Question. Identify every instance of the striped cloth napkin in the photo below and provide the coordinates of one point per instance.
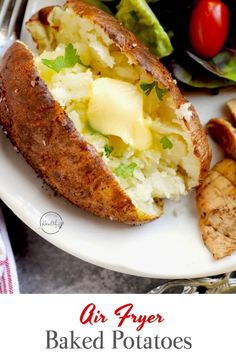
(8, 275)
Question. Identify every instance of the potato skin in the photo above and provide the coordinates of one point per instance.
(41, 130)
(129, 44)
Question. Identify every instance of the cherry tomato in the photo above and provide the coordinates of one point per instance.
(209, 27)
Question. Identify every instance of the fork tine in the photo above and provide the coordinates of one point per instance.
(4, 9)
(14, 17)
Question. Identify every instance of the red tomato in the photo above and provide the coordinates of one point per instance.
(209, 27)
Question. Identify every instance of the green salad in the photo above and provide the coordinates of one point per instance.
(195, 39)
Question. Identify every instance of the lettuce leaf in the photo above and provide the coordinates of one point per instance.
(137, 16)
(199, 80)
(222, 65)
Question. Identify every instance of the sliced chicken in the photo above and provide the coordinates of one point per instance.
(216, 200)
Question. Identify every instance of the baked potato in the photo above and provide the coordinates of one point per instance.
(216, 200)
(98, 117)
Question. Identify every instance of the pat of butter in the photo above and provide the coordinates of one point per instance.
(116, 108)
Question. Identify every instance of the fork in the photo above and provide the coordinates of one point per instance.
(220, 284)
(11, 17)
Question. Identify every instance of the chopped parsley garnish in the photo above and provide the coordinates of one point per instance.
(108, 150)
(166, 143)
(125, 171)
(69, 60)
(147, 88)
(161, 92)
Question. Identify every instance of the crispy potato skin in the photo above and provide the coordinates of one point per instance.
(44, 134)
(129, 44)
(224, 134)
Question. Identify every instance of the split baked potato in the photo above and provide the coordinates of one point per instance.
(98, 117)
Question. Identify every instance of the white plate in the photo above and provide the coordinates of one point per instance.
(167, 248)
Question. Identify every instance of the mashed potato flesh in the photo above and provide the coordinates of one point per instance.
(145, 174)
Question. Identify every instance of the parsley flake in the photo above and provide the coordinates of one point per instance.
(69, 60)
(125, 171)
(161, 92)
(147, 88)
(166, 143)
(108, 150)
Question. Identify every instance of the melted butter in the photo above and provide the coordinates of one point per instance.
(116, 108)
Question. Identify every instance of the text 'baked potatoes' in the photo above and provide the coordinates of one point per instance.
(98, 117)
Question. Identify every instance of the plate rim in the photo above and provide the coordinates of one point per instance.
(112, 266)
